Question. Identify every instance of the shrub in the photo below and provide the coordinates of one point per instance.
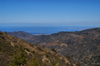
(47, 55)
(39, 48)
(53, 50)
(53, 63)
(68, 57)
(33, 51)
(20, 58)
(27, 49)
(34, 62)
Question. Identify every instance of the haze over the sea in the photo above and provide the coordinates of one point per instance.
(82, 14)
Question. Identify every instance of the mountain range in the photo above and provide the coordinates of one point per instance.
(82, 46)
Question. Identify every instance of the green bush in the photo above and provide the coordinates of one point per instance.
(53, 63)
(34, 62)
(19, 59)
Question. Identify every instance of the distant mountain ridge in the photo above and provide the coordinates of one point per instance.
(22, 35)
(80, 45)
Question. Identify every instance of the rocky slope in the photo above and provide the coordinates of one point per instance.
(17, 51)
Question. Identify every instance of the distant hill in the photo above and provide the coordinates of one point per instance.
(22, 35)
(17, 52)
(83, 46)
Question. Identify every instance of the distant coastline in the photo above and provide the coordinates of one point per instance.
(42, 30)
(40, 34)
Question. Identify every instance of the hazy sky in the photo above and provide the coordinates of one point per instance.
(50, 12)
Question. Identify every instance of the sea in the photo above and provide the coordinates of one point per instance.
(43, 29)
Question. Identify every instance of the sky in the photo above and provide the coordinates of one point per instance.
(50, 12)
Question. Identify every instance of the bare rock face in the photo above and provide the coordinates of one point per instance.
(45, 60)
(12, 44)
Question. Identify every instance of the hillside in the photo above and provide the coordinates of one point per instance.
(83, 46)
(22, 35)
(17, 51)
